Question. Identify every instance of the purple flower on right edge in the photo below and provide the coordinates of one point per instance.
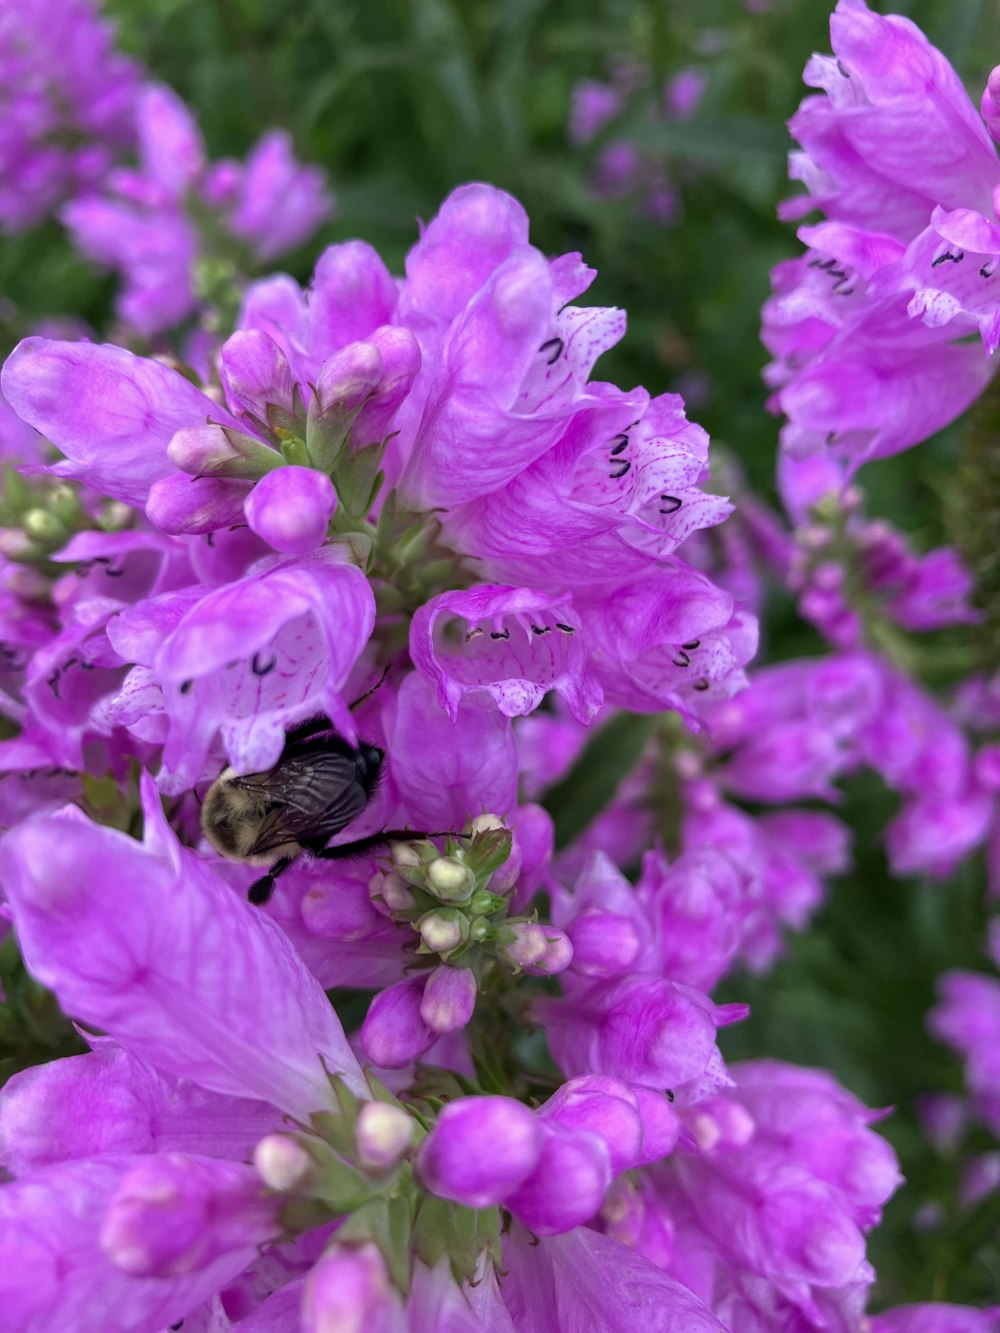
(870, 328)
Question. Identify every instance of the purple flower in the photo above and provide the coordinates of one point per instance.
(785, 1178)
(68, 101)
(249, 658)
(144, 222)
(571, 1280)
(55, 1270)
(967, 1017)
(86, 900)
(870, 328)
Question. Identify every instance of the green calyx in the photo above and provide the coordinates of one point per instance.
(383, 1205)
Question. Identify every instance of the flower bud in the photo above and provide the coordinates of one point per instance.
(393, 1032)
(184, 504)
(383, 1135)
(348, 1291)
(392, 889)
(449, 998)
(282, 1163)
(290, 509)
(450, 880)
(480, 1149)
(175, 1214)
(41, 526)
(557, 956)
(348, 377)
(485, 824)
(255, 373)
(601, 1106)
(567, 1185)
(444, 930)
(528, 945)
(400, 353)
(605, 944)
(404, 854)
(210, 451)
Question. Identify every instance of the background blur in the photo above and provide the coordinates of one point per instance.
(401, 100)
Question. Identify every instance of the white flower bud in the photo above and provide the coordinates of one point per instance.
(281, 1162)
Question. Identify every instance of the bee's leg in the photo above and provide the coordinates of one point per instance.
(261, 889)
(377, 686)
(345, 850)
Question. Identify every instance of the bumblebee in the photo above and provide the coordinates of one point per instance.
(318, 786)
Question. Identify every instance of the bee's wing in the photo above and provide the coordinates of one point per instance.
(312, 798)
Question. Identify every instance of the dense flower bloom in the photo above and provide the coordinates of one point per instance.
(398, 518)
(144, 222)
(67, 102)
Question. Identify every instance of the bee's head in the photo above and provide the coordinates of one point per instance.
(369, 764)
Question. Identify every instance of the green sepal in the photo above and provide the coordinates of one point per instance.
(294, 452)
(327, 433)
(487, 852)
(339, 1185)
(462, 1234)
(388, 1224)
(334, 1129)
(358, 478)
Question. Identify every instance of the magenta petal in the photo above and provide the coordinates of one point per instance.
(169, 141)
(394, 1032)
(229, 1005)
(174, 1214)
(476, 229)
(111, 1101)
(111, 413)
(290, 509)
(449, 771)
(518, 644)
(480, 1150)
(568, 1184)
(352, 294)
(584, 1280)
(255, 373)
(54, 1275)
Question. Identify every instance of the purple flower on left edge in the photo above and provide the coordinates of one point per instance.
(201, 1038)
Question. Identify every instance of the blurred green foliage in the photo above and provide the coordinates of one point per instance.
(401, 100)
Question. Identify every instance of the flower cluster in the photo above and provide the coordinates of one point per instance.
(870, 328)
(180, 230)
(67, 105)
(351, 1025)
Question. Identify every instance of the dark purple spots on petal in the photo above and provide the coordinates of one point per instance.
(564, 629)
(671, 504)
(622, 465)
(500, 634)
(683, 659)
(186, 686)
(260, 668)
(695, 643)
(555, 347)
(701, 686)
